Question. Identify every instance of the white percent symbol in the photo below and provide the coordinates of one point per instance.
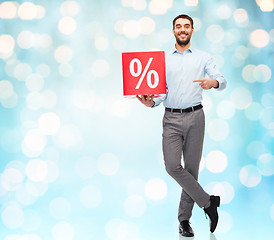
(139, 71)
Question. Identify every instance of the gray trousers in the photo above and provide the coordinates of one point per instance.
(184, 133)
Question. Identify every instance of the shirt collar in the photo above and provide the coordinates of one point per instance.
(190, 49)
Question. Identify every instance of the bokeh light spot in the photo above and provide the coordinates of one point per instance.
(49, 123)
(6, 89)
(215, 33)
(223, 189)
(22, 71)
(147, 25)
(131, 29)
(248, 73)
(265, 164)
(65, 70)
(67, 25)
(34, 140)
(160, 6)
(6, 46)
(43, 70)
(34, 82)
(253, 111)
(68, 136)
(12, 216)
(63, 231)
(216, 161)
(63, 54)
(36, 170)
(11, 179)
(250, 176)
(224, 11)
(241, 97)
(70, 8)
(241, 52)
(225, 110)
(266, 5)
(27, 11)
(262, 73)
(241, 17)
(218, 129)
(34, 100)
(100, 68)
(156, 189)
(8, 10)
(259, 38)
(191, 3)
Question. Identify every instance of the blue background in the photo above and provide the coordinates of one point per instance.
(80, 161)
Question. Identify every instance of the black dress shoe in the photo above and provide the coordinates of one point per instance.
(212, 213)
(185, 229)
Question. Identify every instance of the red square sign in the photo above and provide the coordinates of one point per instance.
(144, 73)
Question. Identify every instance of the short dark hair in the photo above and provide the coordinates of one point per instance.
(184, 16)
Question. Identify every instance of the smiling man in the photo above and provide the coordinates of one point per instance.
(184, 120)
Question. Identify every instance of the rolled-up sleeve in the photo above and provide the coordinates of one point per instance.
(213, 72)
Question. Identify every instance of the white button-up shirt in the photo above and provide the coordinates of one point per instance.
(181, 70)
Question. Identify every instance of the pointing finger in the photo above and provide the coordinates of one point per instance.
(198, 80)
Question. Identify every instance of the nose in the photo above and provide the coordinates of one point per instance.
(183, 30)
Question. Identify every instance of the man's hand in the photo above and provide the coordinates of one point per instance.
(207, 83)
(146, 100)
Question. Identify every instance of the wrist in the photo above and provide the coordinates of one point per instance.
(216, 84)
(151, 104)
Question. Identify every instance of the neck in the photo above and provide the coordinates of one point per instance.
(182, 48)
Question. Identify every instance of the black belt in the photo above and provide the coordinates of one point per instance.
(190, 109)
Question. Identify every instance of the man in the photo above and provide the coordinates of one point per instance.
(184, 121)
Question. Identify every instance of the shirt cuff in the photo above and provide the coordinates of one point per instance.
(222, 84)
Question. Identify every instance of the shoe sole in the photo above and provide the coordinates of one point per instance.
(186, 235)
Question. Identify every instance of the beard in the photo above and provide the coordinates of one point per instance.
(183, 42)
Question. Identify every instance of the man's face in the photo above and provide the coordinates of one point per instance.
(182, 31)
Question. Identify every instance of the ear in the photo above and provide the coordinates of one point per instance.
(173, 31)
(192, 31)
